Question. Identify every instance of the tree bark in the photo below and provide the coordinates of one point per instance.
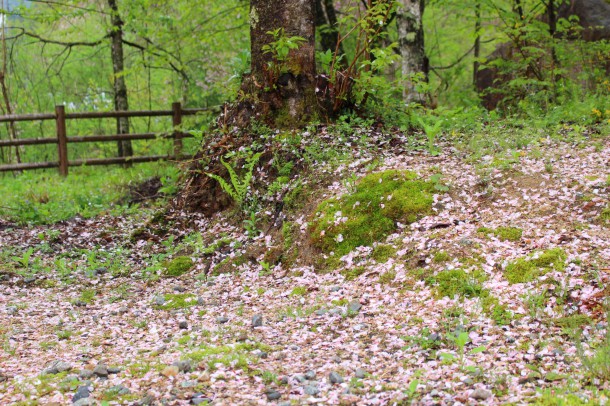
(477, 42)
(120, 87)
(284, 97)
(411, 43)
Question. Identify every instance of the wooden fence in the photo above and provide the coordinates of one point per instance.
(62, 139)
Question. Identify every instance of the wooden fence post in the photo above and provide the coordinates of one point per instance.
(62, 139)
(177, 121)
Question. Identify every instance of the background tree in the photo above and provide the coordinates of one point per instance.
(409, 19)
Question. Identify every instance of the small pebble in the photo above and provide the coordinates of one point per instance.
(334, 377)
(360, 373)
(183, 325)
(222, 319)
(257, 320)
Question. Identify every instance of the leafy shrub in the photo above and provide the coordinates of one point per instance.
(370, 213)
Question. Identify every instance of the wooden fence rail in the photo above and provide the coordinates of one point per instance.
(62, 139)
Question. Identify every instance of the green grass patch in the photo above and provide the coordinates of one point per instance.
(370, 213)
(178, 301)
(604, 216)
(573, 322)
(44, 197)
(177, 266)
(387, 277)
(441, 256)
(353, 273)
(236, 355)
(525, 270)
(503, 233)
(458, 282)
(298, 291)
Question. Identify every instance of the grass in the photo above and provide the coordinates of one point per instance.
(605, 216)
(525, 270)
(44, 197)
(237, 355)
(457, 282)
(573, 322)
(382, 253)
(371, 211)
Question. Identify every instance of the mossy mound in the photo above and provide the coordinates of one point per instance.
(526, 270)
(458, 282)
(177, 266)
(371, 211)
(503, 233)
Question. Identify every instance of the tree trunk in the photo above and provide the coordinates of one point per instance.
(282, 93)
(326, 16)
(411, 42)
(477, 42)
(120, 87)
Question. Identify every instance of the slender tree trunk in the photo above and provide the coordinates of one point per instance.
(411, 42)
(477, 41)
(284, 97)
(120, 87)
(3, 85)
(326, 16)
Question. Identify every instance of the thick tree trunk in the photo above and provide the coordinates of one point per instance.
(282, 93)
(411, 42)
(120, 87)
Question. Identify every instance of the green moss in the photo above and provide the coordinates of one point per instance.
(503, 233)
(457, 282)
(299, 291)
(508, 233)
(370, 213)
(237, 355)
(177, 266)
(572, 322)
(525, 270)
(353, 273)
(387, 277)
(441, 256)
(178, 301)
(499, 313)
(381, 253)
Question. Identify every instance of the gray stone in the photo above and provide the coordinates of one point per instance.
(101, 371)
(201, 400)
(114, 370)
(200, 301)
(183, 325)
(12, 310)
(257, 320)
(183, 366)
(299, 378)
(29, 279)
(84, 402)
(310, 375)
(335, 288)
(123, 310)
(56, 367)
(337, 359)
(334, 377)
(82, 392)
(272, 394)
(159, 300)
(480, 394)
(222, 319)
(354, 306)
(335, 311)
(284, 380)
(510, 340)
(85, 374)
(321, 312)
(311, 390)
(360, 373)
(120, 390)
(179, 288)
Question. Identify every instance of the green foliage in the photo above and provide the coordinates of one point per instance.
(238, 188)
(387, 277)
(605, 216)
(525, 270)
(299, 291)
(280, 49)
(597, 365)
(575, 321)
(371, 212)
(177, 266)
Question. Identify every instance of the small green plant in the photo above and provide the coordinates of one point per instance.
(238, 188)
(431, 130)
(299, 291)
(280, 49)
(383, 252)
(23, 261)
(596, 365)
(460, 339)
(441, 256)
(503, 233)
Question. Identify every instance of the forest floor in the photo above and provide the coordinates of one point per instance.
(525, 242)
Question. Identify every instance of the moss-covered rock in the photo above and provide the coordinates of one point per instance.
(177, 266)
(371, 212)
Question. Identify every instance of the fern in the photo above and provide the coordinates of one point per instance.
(238, 189)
